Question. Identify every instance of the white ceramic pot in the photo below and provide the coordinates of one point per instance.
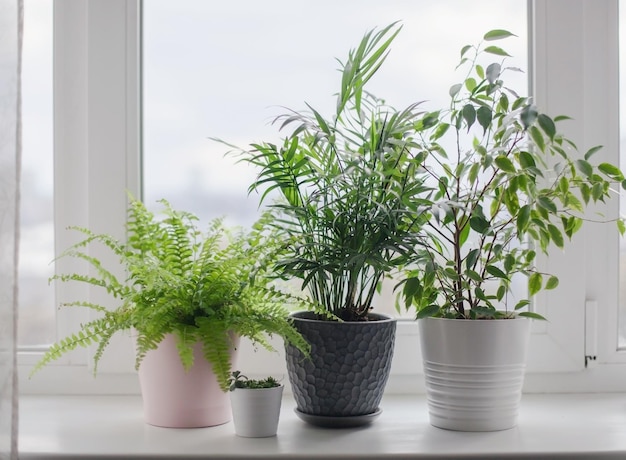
(474, 371)
(175, 398)
(256, 411)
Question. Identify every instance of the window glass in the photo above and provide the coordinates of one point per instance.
(225, 69)
(37, 325)
(622, 105)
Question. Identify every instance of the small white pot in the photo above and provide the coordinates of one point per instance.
(474, 371)
(256, 411)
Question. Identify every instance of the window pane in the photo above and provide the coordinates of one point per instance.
(224, 69)
(37, 324)
(622, 116)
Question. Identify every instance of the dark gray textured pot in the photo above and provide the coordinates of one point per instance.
(348, 368)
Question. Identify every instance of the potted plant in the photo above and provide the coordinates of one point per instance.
(256, 405)
(343, 182)
(188, 297)
(505, 184)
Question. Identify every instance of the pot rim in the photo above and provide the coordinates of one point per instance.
(479, 320)
(258, 389)
(381, 318)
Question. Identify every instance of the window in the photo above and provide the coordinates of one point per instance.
(202, 77)
(37, 312)
(97, 145)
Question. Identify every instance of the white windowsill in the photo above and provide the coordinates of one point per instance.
(572, 426)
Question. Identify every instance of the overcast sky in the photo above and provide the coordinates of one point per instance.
(221, 69)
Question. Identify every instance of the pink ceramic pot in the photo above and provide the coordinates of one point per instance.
(174, 398)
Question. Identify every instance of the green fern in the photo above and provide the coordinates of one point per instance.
(202, 287)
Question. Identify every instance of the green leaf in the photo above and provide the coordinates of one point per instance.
(497, 34)
(584, 167)
(469, 115)
(535, 282)
(528, 115)
(493, 72)
(472, 175)
(454, 89)
(547, 125)
(470, 84)
(465, 49)
(552, 282)
(612, 171)
(471, 258)
(479, 224)
(522, 304)
(504, 102)
(496, 50)
(546, 203)
(480, 71)
(523, 217)
(537, 138)
(495, 271)
(621, 226)
(428, 311)
(505, 164)
(464, 234)
(526, 160)
(532, 315)
(441, 129)
(592, 151)
(484, 117)
(556, 235)
(474, 276)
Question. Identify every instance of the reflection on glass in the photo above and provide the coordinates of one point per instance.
(36, 298)
(225, 69)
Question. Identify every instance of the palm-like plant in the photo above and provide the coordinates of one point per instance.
(346, 186)
(201, 287)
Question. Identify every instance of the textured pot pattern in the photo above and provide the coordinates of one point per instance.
(256, 411)
(349, 365)
(474, 371)
(175, 398)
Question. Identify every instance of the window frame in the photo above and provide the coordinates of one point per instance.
(97, 113)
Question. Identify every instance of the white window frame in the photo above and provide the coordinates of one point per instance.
(97, 159)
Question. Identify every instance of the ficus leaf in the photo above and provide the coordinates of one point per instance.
(592, 151)
(535, 281)
(493, 72)
(427, 311)
(523, 218)
(612, 171)
(537, 137)
(546, 203)
(556, 235)
(469, 115)
(547, 125)
(498, 34)
(505, 164)
(495, 271)
(454, 89)
(484, 117)
(552, 282)
(465, 49)
(479, 224)
(528, 115)
(496, 50)
(532, 315)
(472, 257)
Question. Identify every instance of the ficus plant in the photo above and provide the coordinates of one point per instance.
(201, 286)
(345, 184)
(506, 183)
